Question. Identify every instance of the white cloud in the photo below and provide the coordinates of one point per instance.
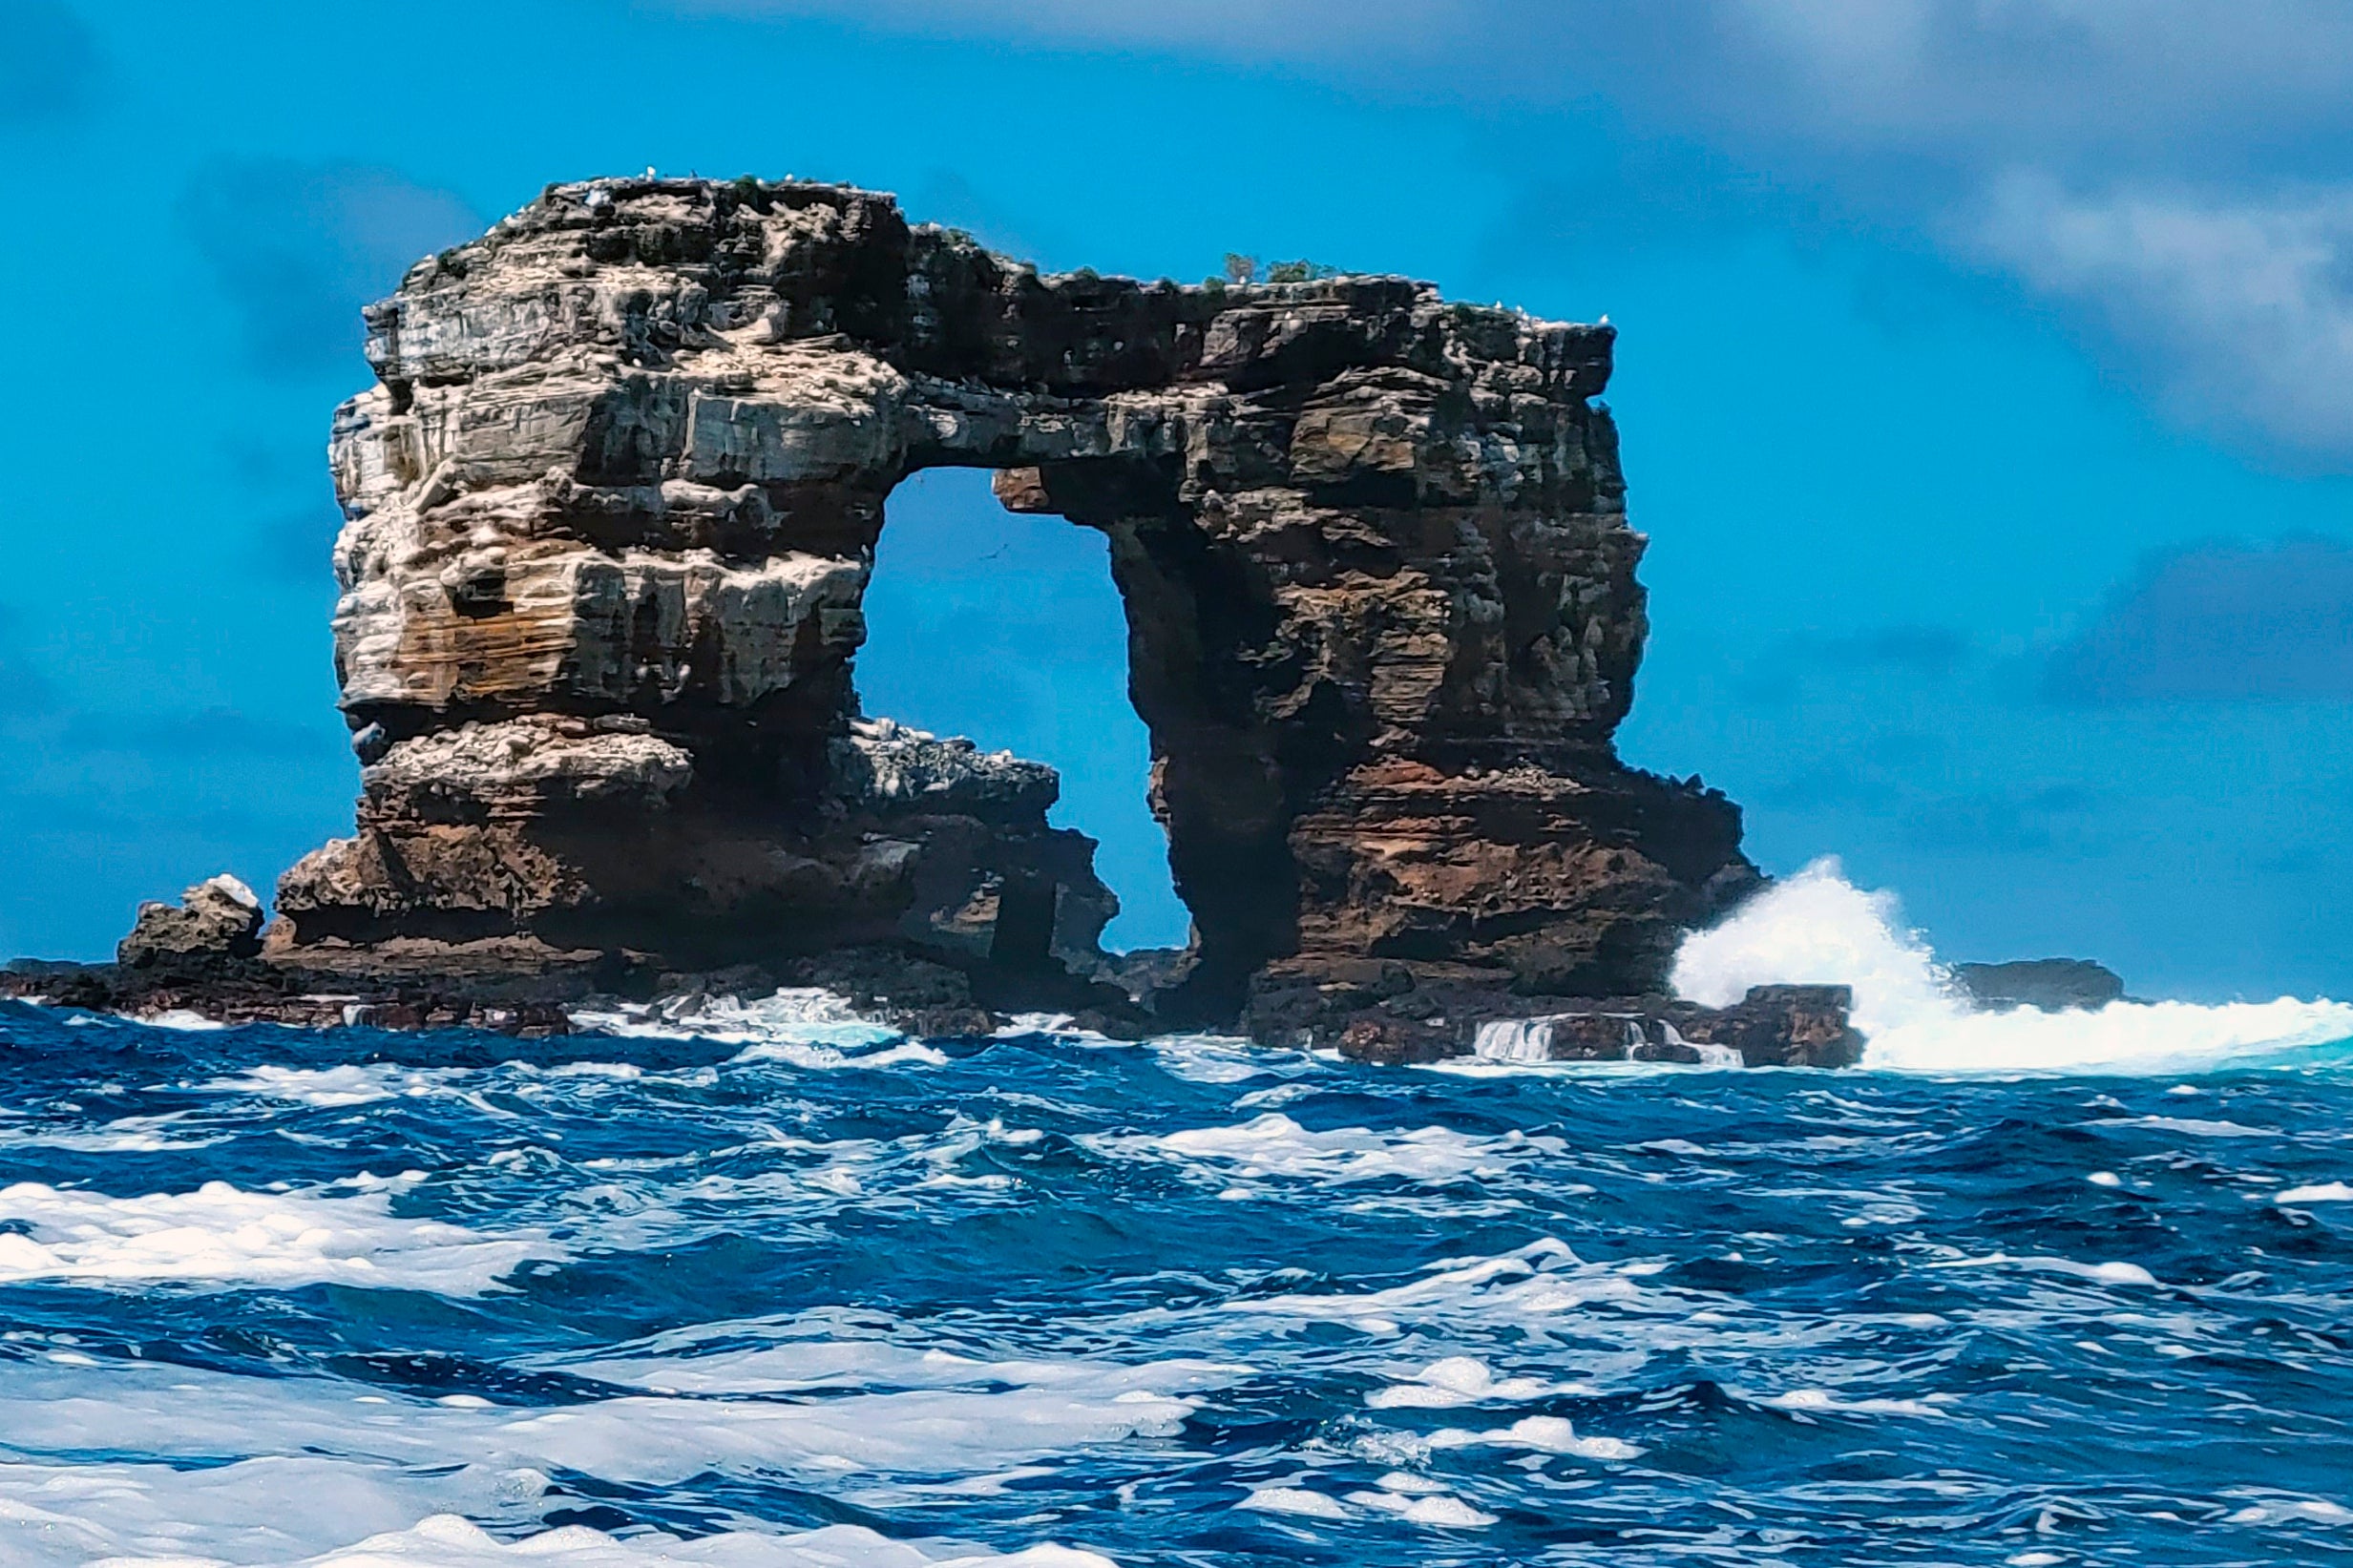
(2051, 80)
(2241, 309)
(2027, 134)
(1944, 77)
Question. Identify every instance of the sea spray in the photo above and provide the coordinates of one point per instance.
(1817, 928)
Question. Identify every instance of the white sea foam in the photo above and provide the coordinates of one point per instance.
(1446, 1511)
(2112, 1272)
(446, 1540)
(1817, 928)
(330, 1087)
(804, 1016)
(1543, 1285)
(1461, 1380)
(125, 1135)
(255, 1510)
(2193, 1126)
(1412, 1498)
(182, 1018)
(827, 1059)
(2293, 1511)
(1274, 1144)
(1825, 1402)
(1295, 1499)
(827, 1361)
(1224, 1059)
(219, 1237)
(182, 1413)
(1061, 1026)
(1541, 1434)
(2327, 1192)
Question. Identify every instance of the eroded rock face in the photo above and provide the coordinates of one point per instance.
(218, 918)
(613, 505)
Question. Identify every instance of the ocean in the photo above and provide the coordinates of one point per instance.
(752, 1282)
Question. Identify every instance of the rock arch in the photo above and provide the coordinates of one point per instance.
(611, 507)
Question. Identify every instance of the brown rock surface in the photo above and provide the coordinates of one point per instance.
(217, 919)
(611, 510)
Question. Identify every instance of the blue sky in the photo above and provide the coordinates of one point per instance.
(1986, 372)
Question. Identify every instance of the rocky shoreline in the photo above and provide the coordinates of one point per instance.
(204, 956)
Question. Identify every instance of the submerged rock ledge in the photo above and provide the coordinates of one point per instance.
(611, 510)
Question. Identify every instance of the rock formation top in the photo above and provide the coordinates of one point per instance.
(611, 508)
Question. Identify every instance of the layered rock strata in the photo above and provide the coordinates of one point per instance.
(613, 505)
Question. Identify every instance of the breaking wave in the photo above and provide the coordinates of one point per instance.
(1817, 928)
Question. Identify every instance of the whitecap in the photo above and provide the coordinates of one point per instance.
(330, 1087)
(1457, 1381)
(183, 1414)
(274, 1509)
(681, 1366)
(2190, 1126)
(793, 1015)
(2100, 1273)
(1825, 1402)
(826, 1059)
(1444, 1511)
(126, 1134)
(1274, 1144)
(1293, 1499)
(182, 1018)
(449, 1541)
(1059, 1026)
(1539, 1434)
(2327, 1192)
(2293, 1509)
(219, 1237)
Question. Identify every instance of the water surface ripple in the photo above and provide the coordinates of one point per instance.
(825, 1299)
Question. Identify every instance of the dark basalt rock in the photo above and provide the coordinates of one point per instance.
(1386, 1016)
(2053, 985)
(609, 518)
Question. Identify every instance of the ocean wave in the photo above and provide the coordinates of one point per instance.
(1001, 1298)
(1817, 928)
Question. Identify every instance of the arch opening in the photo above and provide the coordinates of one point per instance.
(1006, 628)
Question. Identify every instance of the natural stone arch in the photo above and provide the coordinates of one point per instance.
(612, 509)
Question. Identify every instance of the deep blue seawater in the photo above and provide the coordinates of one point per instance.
(800, 1297)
